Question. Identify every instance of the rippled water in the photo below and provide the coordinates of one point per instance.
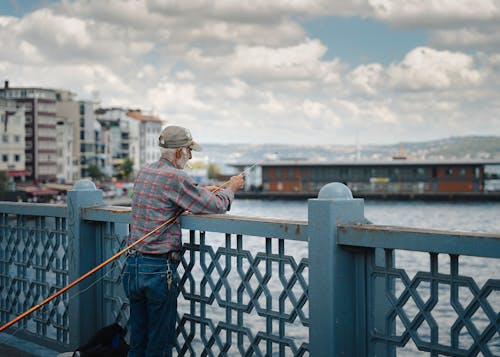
(470, 217)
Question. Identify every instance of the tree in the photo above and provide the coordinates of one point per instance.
(95, 172)
(127, 168)
(4, 180)
(212, 171)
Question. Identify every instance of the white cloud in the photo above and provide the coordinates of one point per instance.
(435, 12)
(301, 62)
(176, 97)
(272, 105)
(425, 68)
(185, 75)
(468, 37)
(247, 70)
(367, 78)
(237, 89)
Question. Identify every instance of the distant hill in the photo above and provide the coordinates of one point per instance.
(462, 147)
(469, 147)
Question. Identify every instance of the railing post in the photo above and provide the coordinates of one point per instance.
(82, 257)
(333, 275)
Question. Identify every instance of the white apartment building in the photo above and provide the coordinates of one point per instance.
(144, 133)
(115, 136)
(40, 129)
(129, 134)
(80, 114)
(66, 171)
(12, 144)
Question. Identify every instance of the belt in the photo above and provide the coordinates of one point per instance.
(172, 256)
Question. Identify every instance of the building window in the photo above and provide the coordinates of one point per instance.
(17, 158)
(462, 171)
(5, 138)
(5, 157)
(82, 122)
(82, 135)
(17, 138)
(82, 109)
(448, 171)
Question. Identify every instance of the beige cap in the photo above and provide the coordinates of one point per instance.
(177, 137)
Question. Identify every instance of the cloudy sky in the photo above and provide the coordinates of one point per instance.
(261, 71)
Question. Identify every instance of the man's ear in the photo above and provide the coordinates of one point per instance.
(178, 153)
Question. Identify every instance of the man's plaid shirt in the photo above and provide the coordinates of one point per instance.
(160, 192)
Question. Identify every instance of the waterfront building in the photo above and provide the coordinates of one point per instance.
(144, 133)
(12, 144)
(40, 129)
(114, 135)
(66, 171)
(129, 134)
(383, 178)
(80, 114)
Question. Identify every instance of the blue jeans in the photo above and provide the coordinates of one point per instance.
(153, 306)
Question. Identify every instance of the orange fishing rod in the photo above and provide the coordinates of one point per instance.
(87, 274)
(102, 265)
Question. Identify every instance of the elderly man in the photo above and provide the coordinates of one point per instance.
(162, 190)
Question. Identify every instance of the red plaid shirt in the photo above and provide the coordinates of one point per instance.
(160, 192)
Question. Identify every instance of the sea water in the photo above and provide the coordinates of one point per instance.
(454, 216)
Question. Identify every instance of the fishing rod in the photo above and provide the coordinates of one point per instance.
(240, 174)
(103, 264)
(87, 274)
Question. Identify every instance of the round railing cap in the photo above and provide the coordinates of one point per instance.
(335, 191)
(84, 184)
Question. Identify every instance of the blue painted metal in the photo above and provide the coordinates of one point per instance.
(245, 291)
(259, 227)
(34, 264)
(422, 240)
(83, 255)
(332, 309)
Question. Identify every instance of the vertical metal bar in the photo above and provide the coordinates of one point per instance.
(269, 298)
(203, 307)
(228, 291)
(454, 295)
(434, 297)
(361, 313)
(281, 272)
(390, 290)
(332, 273)
(239, 267)
(82, 258)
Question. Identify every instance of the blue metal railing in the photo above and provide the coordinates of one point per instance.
(330, 286)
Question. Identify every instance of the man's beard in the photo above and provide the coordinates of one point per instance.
(181, 163)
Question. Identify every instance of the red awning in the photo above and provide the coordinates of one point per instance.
(44, 192)
(13, 173)
(37, 191)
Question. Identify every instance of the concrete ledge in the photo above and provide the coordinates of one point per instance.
(15, 347)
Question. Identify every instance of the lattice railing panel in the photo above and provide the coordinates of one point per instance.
(242, 301)
(443, 313)
(34, 265)
(115, 303)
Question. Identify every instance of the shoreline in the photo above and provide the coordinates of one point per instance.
(384, 196)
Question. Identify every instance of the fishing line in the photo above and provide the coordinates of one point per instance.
(69, 299)
(103, 264)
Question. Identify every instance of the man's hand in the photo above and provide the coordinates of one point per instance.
(212, 188)
(236, 183)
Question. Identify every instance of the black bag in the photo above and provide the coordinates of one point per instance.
(107, 342)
